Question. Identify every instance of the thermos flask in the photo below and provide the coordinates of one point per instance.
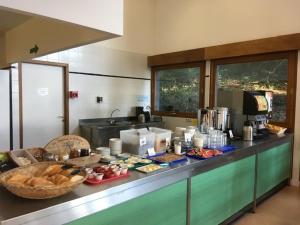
(247, 131)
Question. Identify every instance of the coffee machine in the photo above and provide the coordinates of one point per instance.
(257, 106)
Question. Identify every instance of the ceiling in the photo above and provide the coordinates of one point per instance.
(9, 20)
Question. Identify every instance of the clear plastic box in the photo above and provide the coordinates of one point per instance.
(162, 139)
(137, 141)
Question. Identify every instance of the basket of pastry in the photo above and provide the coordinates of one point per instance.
(43, 180)
(275, 129)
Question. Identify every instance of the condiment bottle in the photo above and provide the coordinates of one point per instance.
(177, 147)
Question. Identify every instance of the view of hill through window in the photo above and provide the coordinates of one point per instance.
(177, 90)
(270, 75)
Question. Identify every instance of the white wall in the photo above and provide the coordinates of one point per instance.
(124, 56)
(139, 28)
(103, 15)
(182, 25)
(117, 93)
(296, 156)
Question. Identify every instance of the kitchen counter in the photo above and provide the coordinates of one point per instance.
(98, 131)
(86, 200)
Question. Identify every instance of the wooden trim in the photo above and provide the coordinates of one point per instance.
(265, 45)
(110, 76)
(177, 66)
(189, 56)
(46, 63)
(66, 93)
(292, 90)
(66, 99)
(11, 127)
(212, 84)
(20, 104)
(260, 46)
(292, 80)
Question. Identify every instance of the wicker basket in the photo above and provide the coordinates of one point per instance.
(66, 143)
(37, 153)
(38, 192)
(85, 161)
(14, 154)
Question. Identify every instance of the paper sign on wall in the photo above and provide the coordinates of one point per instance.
(43, 91)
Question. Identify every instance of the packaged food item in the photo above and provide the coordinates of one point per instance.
(98, 176)
(24, 161)
(149, 168)
(74, 153)
(124, 170)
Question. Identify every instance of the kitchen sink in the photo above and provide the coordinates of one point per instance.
(98, 132)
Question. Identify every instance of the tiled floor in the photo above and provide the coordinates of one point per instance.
(282, 208)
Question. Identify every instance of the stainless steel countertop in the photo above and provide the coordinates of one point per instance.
(86, 200)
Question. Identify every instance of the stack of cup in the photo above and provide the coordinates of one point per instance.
(191, 130)
(198, 142)
(115, 145)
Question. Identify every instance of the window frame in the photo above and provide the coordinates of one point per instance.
(201, 65)
(291, 56)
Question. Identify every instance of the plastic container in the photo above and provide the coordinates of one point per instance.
(162, 139)
(137, 141)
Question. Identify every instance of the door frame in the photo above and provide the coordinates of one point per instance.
(65, 91)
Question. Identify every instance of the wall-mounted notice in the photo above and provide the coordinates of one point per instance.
(43, 91)
(142, 98)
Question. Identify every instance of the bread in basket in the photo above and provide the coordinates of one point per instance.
(42, 180)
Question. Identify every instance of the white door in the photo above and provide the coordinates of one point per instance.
(4, 110)
(43, 104)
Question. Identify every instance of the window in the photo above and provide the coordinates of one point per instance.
(177, 90)
(270, 72)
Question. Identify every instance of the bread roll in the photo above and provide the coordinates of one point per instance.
(66, 172)
(76, 178)
(58, 179)
(19, 179)
(52, 170)
(40, 182)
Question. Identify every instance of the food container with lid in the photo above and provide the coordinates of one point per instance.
(137, 141)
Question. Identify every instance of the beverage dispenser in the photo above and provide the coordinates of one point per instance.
(257, 106)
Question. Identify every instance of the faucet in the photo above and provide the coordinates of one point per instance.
(112, 112)
(111, 120)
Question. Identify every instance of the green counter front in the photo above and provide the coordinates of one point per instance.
(166, 206)
(215, 195)
(219, 193)
(274, 166)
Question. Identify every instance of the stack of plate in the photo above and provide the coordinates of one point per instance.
(115, 145)
(104, 151)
